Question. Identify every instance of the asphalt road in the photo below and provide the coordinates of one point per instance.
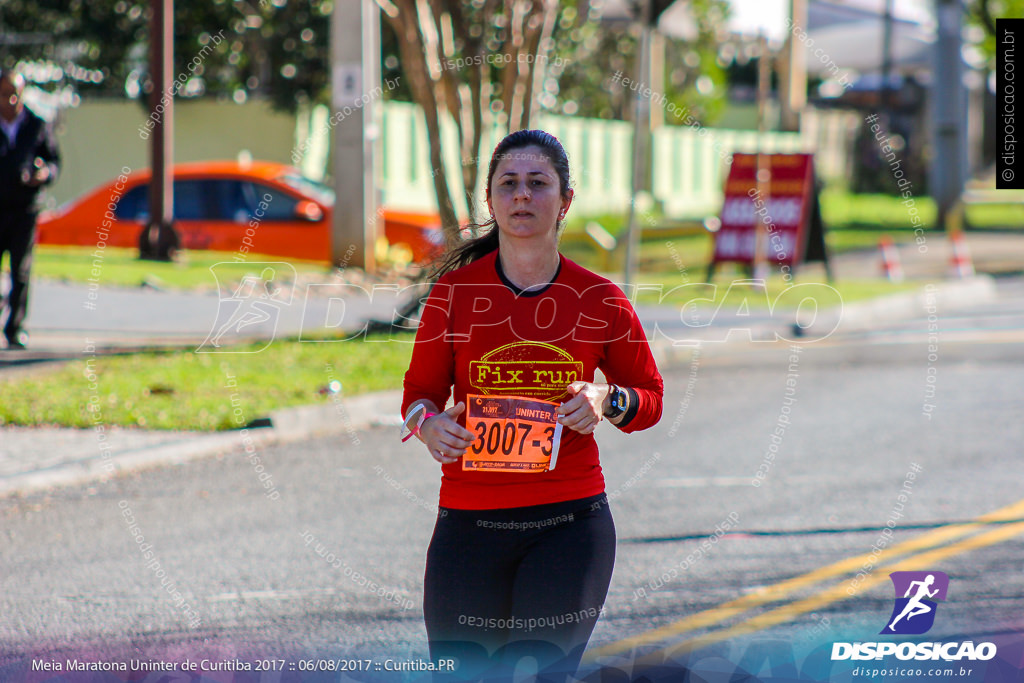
(289, 578)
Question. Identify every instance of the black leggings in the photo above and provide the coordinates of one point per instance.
(505, 584)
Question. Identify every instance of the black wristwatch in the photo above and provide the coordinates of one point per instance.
(616, 402)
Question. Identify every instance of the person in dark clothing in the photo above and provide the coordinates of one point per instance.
(28, 160)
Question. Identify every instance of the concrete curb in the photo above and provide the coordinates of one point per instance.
(291, 424)
(98, 468)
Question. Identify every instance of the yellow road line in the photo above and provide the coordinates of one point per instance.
(781, 590)
(838, 592)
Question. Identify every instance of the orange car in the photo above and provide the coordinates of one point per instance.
(224, 205)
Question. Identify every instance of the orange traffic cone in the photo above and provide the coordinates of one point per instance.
(890, 260)
(961, 265)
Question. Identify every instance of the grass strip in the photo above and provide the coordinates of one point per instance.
(122, 267)
(184, 390)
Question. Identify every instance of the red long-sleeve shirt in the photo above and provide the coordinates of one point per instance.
(479, 334)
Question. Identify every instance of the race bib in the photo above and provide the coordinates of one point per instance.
(512, 434)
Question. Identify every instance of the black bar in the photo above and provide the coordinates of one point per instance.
(1009, 134)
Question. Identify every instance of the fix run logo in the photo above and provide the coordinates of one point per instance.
(914, 612)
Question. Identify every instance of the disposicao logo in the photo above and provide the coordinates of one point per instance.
(914, 612)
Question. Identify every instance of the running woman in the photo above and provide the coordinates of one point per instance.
(513, 331)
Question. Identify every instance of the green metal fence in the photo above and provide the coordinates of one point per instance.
(100, 137)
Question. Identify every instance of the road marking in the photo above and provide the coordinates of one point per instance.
(701, 482)
(781, 590)
(778, 591)
(261, 595)
(302, 594)
(837, 592)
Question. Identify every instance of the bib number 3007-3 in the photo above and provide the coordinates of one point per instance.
(512, 434)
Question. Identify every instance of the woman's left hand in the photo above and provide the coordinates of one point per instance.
(583, 411)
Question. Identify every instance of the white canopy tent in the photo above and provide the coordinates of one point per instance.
(849, 32)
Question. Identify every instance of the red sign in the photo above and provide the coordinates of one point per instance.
(780, 208)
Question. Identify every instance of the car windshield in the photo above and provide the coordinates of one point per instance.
(322, 193)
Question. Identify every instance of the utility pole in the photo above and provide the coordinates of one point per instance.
(885, 93)
(657, 70)
(760, 266)
(793, 82)
(641, 135)
(355, 89)
(158, 240)
(948, 112)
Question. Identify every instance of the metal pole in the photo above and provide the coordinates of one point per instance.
(657, 57)
(159, 240)
(760, 265)
(355, 91)
(885, 100)
(641, 137)
(794, 82)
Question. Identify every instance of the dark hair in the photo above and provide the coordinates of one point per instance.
(469, 251)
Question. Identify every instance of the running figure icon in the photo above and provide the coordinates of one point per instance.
(915, 606)
(917, 596)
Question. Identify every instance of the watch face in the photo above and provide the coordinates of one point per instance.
(615, 403)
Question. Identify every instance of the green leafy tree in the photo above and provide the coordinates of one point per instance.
(272, 48)
(505, 60)
(594, 51)
(982, 14)
(475, 62)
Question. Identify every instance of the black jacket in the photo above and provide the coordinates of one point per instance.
(35, 139)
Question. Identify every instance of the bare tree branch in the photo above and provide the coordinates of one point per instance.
(445, 57)
(414, 52)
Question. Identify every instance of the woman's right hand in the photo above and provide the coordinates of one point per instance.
(445, 438)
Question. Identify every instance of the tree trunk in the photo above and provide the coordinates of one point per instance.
(413, 50)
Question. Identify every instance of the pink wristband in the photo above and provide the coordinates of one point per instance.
(419, 423)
